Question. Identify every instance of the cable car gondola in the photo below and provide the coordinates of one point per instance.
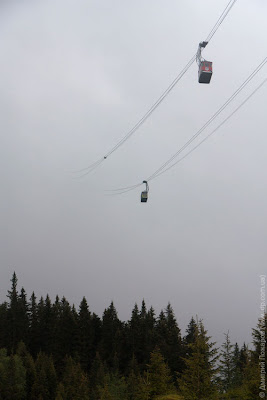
(144, 194)
(205, 72)
(204, 67)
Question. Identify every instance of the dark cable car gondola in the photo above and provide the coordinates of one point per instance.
(204, 67)
(144, 194)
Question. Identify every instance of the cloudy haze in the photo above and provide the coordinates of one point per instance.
(74, 78)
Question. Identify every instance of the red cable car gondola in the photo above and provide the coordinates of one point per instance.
(205, 71)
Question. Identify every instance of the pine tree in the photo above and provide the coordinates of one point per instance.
(43, 329)
(60, 395)
(17, 320)
(40, 334)
(23, 313)
(64, 332)
(197, 381)
(97, 376)
(13, 314)
(49, 323)
(149, 333)
(111, 331)
(227, 366)
(254, 372)
(3, 369)
(12, 377)
(114, 388)
(4, 325)
(259, 334)
(237, 374)
(134, 336)
(243, 359)
(169, 339)
(97, 332)
(190, 336)
(29, 366)
(141, 330)
(138, 387)
(159, 375)
(74, 382)
(34, 340)
(133, 380)
(85, 335)
(46, 379)
(13, 293)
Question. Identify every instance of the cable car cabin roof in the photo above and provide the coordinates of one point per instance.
(144, 197)
(205, 72)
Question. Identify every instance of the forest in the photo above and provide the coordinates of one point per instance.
(53, 351)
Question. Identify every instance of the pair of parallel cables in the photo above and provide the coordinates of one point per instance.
(168, 164)
(85, 171)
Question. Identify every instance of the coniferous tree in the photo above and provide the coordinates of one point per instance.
(138, 386)
(145, 347)
(243, 360)
(3, 371)
(16, 378)
(254, 381)
(97, 376)
(3, 325)
(85, 335)
(187, 340)
(237, 374)
(159, 375)
(29, 366)
(44, 327)
(114, 388)
(259, 335)
(134, 335)
(12, 377)
(17, 321)
(34, 340)
(150, 337)
(110, 341)
(145, 338)
(197, 381)
(40, 339)
(74, 383)
(97, 332)
(49, 323)
(190, 336)
(133, 380)
(13, 314)
(227, 366)
(46, 379)
(65, 332)
(169, 339)
(23, 315)
(161, 329)
(60, 395)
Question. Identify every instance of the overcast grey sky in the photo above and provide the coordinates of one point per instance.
(74, 78)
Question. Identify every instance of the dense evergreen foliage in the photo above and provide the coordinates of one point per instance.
(51, 351)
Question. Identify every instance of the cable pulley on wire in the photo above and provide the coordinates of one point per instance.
(204, 66)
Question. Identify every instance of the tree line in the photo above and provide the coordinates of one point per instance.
(52, 351)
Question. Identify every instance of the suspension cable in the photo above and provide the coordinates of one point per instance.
(161, 98)
(231, 98)
(214, 130)
(165, 167)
